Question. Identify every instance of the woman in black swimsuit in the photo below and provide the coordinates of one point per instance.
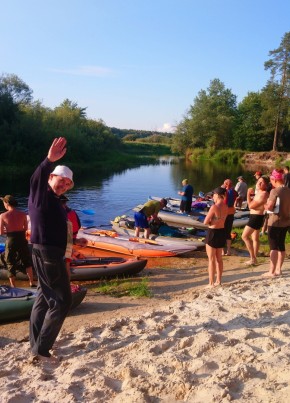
(216, 236)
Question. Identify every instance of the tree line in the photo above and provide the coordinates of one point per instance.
(214, 121)
(27, 127)
(259, 123)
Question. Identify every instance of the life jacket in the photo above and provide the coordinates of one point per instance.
(76, 223)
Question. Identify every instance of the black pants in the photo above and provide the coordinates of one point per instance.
(53, 300)
(185, 205)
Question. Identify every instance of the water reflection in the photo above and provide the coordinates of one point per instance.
(114, 194)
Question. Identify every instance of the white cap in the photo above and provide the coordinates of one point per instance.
(65, 172)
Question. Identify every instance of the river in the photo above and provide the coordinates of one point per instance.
(117, 193)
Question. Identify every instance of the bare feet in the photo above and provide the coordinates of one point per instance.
(278, 274)
(217, 284)
(226, 253)
(251, 262)
(38, 359)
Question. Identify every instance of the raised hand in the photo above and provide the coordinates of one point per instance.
(57, 149)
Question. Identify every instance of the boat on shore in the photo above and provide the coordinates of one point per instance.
(132, 246)
(16, 303)
(177, 219)
(94, 268)
(125, 226)
(90, 267)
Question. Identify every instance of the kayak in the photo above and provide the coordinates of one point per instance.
(173, 218)
(90, 267)
(16, 303)
(125, 226)
(93, 268)
(199, 203)
(140, 247)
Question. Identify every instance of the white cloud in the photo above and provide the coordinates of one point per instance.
(92, 71)
(166, 127)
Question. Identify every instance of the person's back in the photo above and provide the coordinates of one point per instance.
(13, 224)
(14, 221)
(242, 188)
(151, 207)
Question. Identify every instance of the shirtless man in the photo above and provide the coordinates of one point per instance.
(256, 201)
(13, 223)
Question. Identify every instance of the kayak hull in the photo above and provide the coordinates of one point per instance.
(192, 221)
(108, 267)
(90, 267)
(122, 229)
(138, 247)
(16, 308)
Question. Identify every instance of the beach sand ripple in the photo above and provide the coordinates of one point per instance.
(228, 343)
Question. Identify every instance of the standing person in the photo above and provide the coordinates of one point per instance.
(49, 239)
(256, 201)
(241, 188)
(258, 175)
(216, 236)
(286, 176)
(186, 197)
(73, 226)
(72, 216)
(278, 206)
(149, 211)
(230, 199)
(13, 223)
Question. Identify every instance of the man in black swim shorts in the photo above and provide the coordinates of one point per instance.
(251, 232)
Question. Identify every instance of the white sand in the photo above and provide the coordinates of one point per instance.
(229, 343)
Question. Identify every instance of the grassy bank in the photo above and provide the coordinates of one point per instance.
(130, 155)
(230, 156)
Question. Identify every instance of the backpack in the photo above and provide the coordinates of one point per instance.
(231, 197)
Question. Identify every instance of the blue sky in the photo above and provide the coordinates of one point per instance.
(138, 63)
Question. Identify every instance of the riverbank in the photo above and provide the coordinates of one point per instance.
(266, 159)
(187, 343)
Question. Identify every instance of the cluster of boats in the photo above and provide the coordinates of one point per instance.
(179, 234)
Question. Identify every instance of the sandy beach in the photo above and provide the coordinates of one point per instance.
(186, 344)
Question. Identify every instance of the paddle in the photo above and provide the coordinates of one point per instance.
(113, 234)
(144, 240)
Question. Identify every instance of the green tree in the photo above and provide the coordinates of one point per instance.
(210, 121)
(250, 133)
(279, 66)
(68, 114)
(13, 93)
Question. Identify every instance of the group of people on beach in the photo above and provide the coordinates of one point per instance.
(268, 201)
(49, 235)
(49, 240)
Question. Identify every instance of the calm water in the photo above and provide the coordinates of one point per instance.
(117, 194)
